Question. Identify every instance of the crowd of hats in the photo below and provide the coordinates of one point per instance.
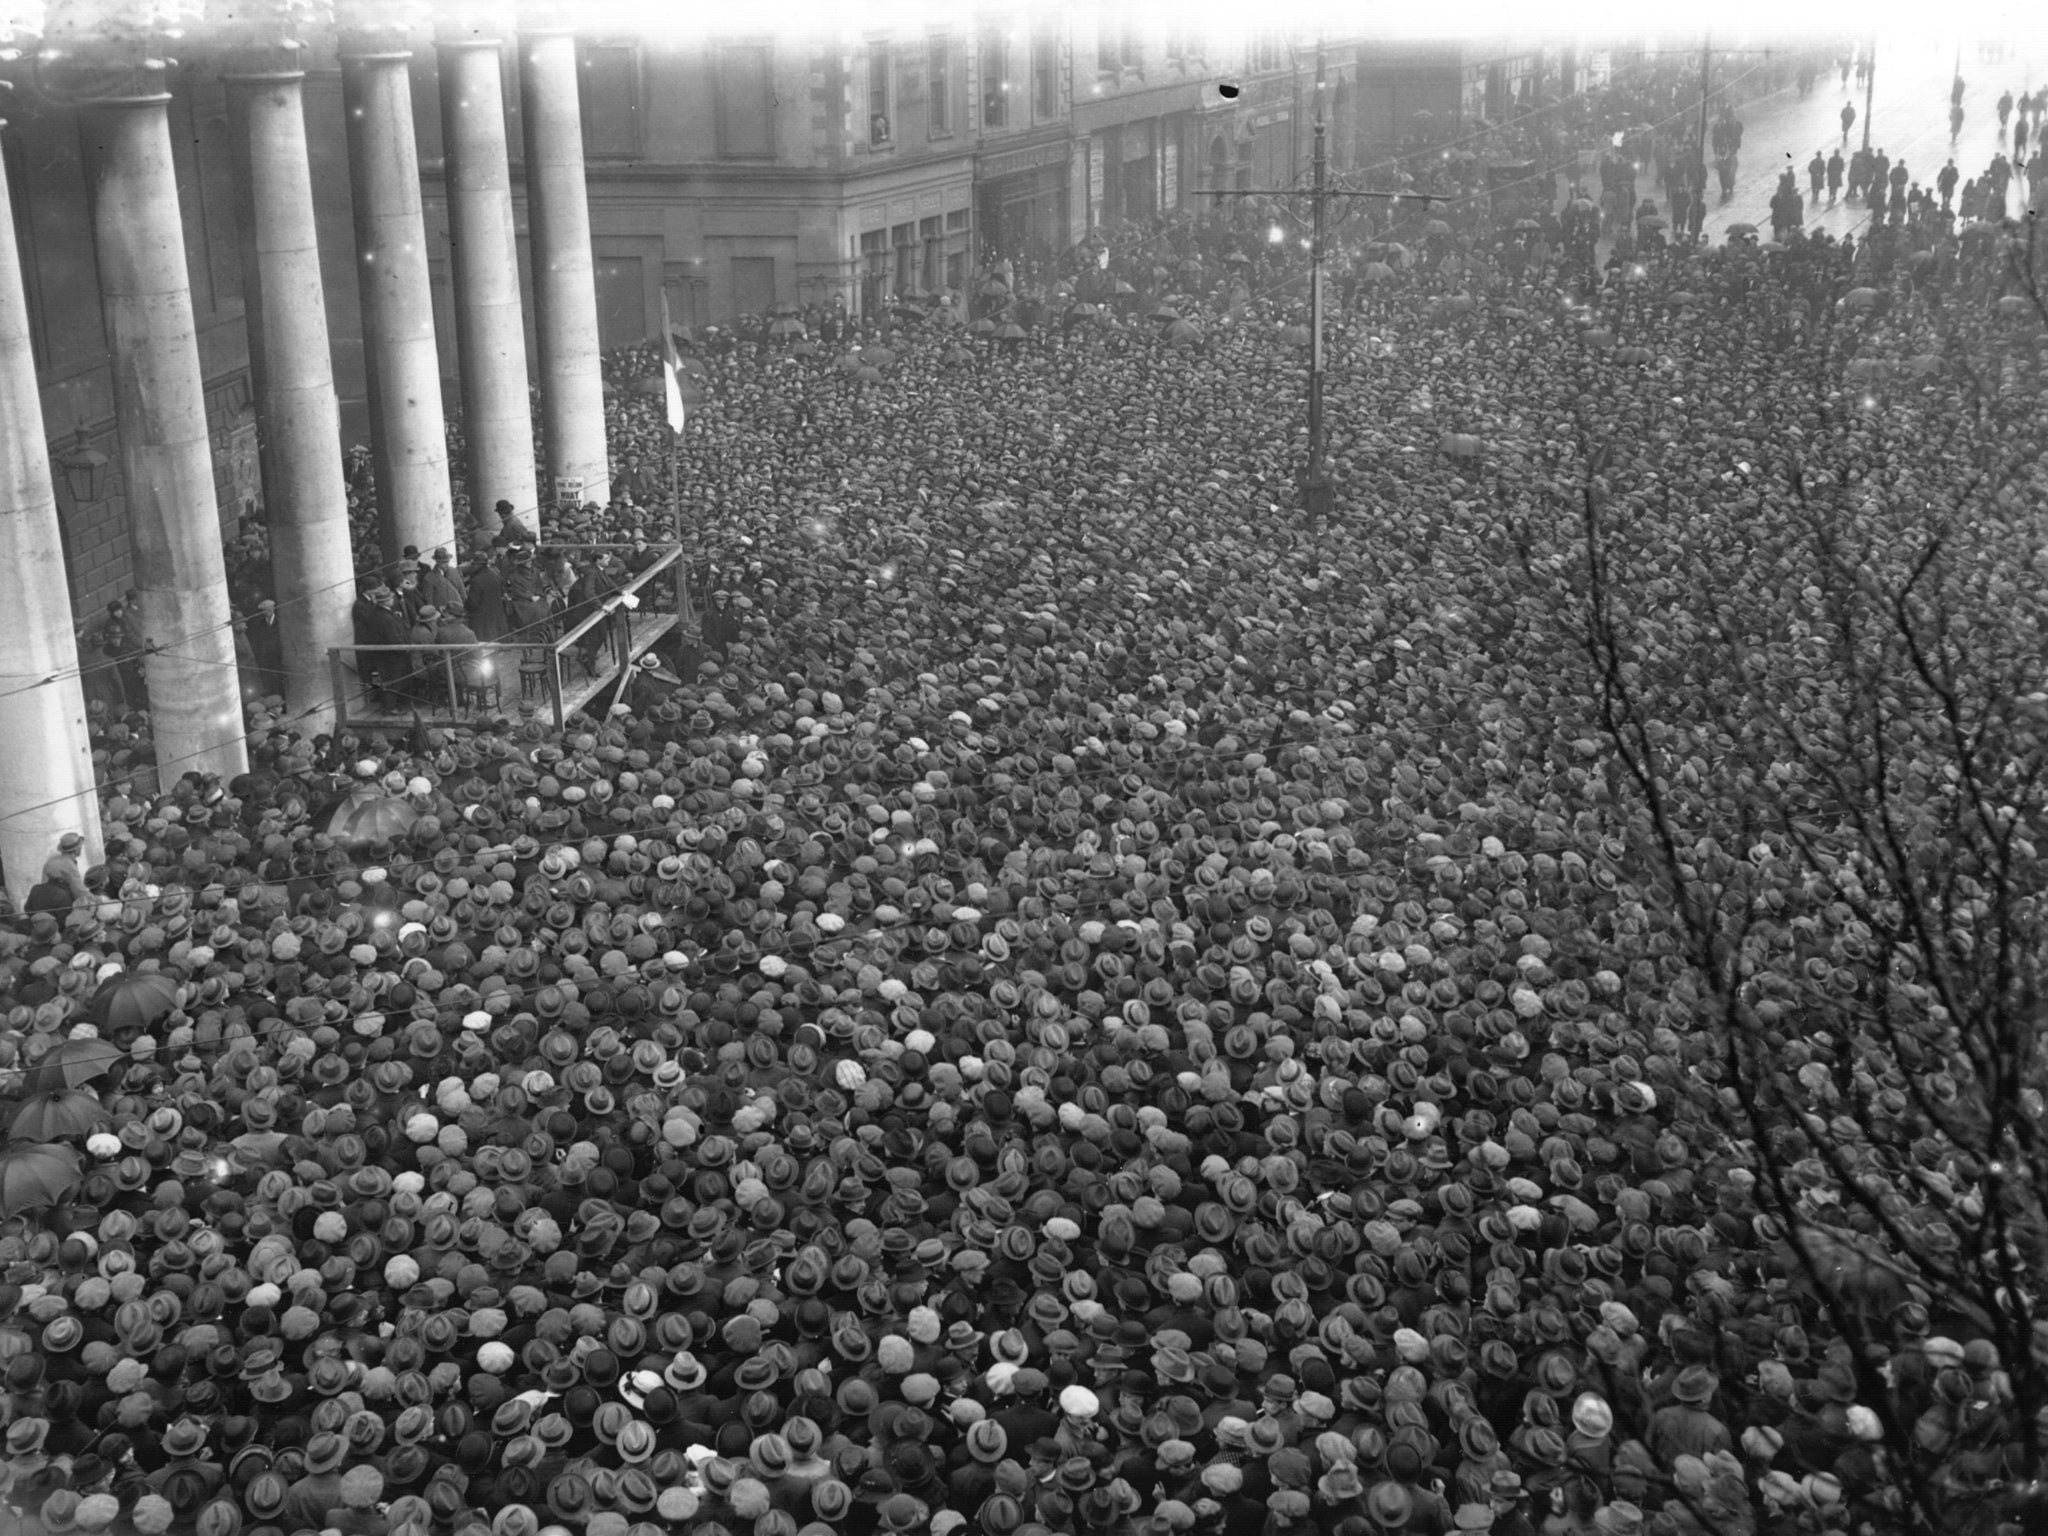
(1106, 1008)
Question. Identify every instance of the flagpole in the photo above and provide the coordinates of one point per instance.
(678, 414)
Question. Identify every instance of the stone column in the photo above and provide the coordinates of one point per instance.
(310, 561)
(409, 434)
(46, 775)
(490, 318)
(195, 688)
(564, 277)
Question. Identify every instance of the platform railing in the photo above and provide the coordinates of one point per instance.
(616, 613)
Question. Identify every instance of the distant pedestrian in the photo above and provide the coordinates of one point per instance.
(1848, 119)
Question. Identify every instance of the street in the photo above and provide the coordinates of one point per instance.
(1908, 120)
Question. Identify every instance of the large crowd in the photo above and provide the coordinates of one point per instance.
(1081, 1001)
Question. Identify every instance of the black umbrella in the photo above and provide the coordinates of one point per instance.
(132, 1000)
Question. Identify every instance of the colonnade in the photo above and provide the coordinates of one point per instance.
(197, 712)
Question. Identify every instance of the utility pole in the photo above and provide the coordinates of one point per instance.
(1869, 89)
(1316, 493)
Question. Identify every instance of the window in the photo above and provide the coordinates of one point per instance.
(956, 269)
(610, 99)
(939, 73)
(956, 222)
(879, 104)
(1109, 52)
(1265, 51)
(932, 241)
(995, 81)
(1045, 76)
(746, 102)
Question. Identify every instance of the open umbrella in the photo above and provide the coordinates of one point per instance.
(983, 327)
(958, 355)
(1183, 333)
(1598, 338)
(371, 818)
(1238, 259)
(1527, 226)
(1122, 288)
(1295, 335)
(1741, 229)
(803, 348)
(1010, 332)
(2014, 304)
(866, 375)
(132, 1000)
(846, 362)
(1436, 228)
(1859, 298)
(785, 307)
(34, 1174)
(693, 366)
(1166, 313)
(1376, 272)
(54, 1116)
(69, 1063)
(877, 357)
(788, 325)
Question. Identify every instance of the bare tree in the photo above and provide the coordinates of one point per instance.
(1828, 739)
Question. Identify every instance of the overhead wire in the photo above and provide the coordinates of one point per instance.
(783, 556)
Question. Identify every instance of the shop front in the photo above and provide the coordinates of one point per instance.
(1020, 200)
